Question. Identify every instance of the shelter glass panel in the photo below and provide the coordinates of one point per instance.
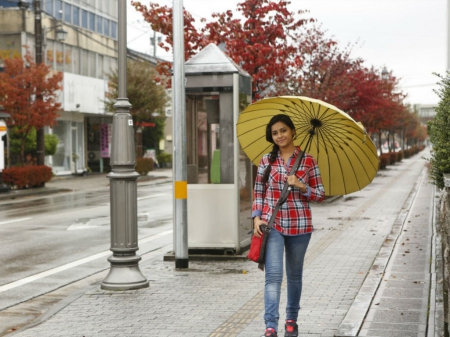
(245, 171)
(209, 127)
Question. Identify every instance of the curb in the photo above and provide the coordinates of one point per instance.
(39, 191)
(353, 320)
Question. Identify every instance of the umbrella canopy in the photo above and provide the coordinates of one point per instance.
(347, 157)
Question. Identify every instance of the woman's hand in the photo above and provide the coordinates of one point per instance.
(293, 181)
(257, 222)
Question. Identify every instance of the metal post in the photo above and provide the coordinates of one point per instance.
(124, 273)
(40, 146)
(179, 135)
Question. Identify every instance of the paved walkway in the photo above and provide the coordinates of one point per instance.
(367, 273)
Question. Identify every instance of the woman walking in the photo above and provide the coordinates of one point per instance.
(292, 227)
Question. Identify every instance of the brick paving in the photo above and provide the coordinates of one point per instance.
(214, 298)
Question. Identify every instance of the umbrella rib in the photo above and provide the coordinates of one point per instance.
(356, 155)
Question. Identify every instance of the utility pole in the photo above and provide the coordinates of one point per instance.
(179, 135)
(40, 147)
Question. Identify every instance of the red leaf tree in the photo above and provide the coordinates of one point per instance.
(28, 92)
(285, 55)
(259, 43)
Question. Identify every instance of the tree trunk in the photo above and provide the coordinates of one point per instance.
(380, 144)
(22, 151)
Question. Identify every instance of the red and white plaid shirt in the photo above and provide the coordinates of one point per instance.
(294, 216)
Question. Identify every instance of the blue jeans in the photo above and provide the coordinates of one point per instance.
(295, 254)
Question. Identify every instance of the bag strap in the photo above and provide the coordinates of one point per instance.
(286, 189)
(281, 201)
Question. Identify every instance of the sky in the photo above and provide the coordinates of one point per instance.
(408, 37)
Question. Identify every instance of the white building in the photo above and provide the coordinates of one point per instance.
(426, 112)
(85, 56)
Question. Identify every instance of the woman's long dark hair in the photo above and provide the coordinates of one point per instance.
(273, 154)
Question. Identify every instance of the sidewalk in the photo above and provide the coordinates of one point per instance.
(367, 273)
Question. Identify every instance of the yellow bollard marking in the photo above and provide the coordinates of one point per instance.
(180, 189)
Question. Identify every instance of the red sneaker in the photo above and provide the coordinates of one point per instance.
(291, 328)
(270, 332)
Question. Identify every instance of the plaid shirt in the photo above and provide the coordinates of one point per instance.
(294, 216)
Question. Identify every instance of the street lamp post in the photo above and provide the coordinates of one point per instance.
(124, 273)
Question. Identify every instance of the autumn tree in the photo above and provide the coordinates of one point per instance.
(322, 71)
(260, 42)
(28, 92)
(146, 96)
(285, 54)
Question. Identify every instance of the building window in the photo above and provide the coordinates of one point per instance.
(58, 9)
(76, 60)
(92, 65)
(92, 21)
(67, 12)
(84, 63)
(68, 59)
(84, 19)
(76, 15)
(59, 56)
(49, 54)
(100, 66)
(114, 30)
(99, 25)
(106, 27)
(48, 7)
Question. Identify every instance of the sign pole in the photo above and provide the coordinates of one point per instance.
(179, 136)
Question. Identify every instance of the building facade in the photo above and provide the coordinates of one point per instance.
(86, 55)
(426, 112)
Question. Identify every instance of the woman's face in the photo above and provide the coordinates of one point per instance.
(282, 135)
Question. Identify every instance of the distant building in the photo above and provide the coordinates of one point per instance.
(426, 112)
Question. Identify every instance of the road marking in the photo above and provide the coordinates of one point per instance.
(77, 263)
(17, 220)
(152, 196)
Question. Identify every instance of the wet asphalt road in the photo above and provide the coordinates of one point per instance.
(51, 241)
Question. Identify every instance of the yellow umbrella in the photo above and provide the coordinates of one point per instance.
(347, 157)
